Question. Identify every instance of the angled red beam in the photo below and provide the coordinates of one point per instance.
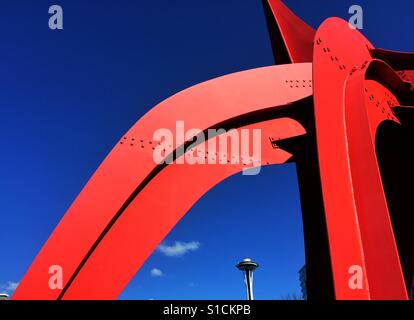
(290, 36)
(333, 61)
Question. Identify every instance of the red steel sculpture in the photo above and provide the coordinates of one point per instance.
(336, 106)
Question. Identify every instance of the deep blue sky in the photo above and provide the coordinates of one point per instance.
(67, 96)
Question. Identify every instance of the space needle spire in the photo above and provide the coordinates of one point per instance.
(247, 266)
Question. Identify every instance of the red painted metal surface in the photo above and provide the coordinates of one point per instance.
(130, 166)
(128, 205)
(291, 37)
(333, 60)
(109, 269)
(353, 193)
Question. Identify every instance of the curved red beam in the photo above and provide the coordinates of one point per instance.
(290, 36)
(333, 61)
(159, 206)
(130, 166)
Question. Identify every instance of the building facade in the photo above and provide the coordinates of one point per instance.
(302, 279)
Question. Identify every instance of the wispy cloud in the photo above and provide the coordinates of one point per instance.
(9, 287)
(156, 272)
(178, 249)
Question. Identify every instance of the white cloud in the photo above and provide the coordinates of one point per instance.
(156, 273)
(10, 287)
(179, 248)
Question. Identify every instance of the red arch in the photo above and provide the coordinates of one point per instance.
(157, 208)
(129, 166)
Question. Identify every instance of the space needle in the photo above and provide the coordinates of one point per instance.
(248, 266)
